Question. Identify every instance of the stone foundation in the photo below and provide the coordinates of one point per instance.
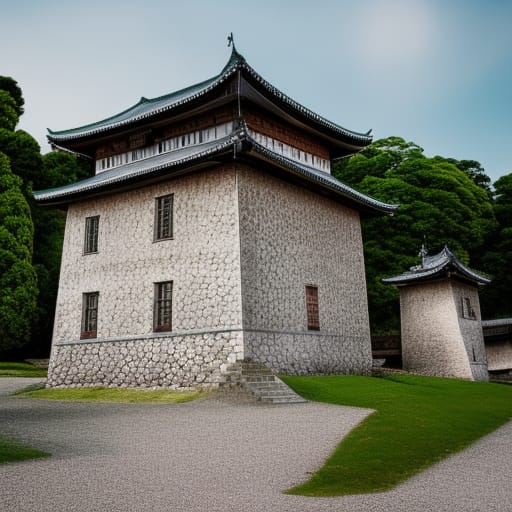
(309, 354)
(180, 361)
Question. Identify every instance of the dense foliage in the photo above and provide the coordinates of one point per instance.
(443, 201)
(498, 258)
(32, 171)
(18, 286)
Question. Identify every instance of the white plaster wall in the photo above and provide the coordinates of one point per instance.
(290, 238)
(432, 343)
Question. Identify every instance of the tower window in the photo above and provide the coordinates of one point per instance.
(91, 234)
(312, 308)
(163, 217)
(89, 315)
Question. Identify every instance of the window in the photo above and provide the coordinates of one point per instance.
(162, 317)
(312, 308)
(467, 309)
(163, 218)
(89, 315)
(91, 234)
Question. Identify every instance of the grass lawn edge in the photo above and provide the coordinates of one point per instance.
(364, 463)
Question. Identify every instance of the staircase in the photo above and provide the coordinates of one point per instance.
(264, 385)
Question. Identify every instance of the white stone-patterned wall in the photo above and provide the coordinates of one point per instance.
(245, 245)
(432, 342)
(471, 329)
(291, 238)
(202, 260)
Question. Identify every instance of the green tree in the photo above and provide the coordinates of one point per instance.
(8, 114)
(10, 85)
(437, 200)
(58, 169)
(498, 259)
(24, 154)
(18, 284)
(36, 173)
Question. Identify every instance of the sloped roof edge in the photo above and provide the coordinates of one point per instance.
(239, 142)
(437, 266)
(146, 108)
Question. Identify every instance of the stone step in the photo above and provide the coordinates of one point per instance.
(262, 383)
(267, 387)
(259, 378)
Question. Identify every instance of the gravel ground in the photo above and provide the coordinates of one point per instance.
(213, 455)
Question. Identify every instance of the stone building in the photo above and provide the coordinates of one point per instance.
(498, 347)
(211, 232)
(440, 318)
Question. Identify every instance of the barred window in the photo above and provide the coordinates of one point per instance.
(467, 309)
(89, 315)
(91, 234)
(312, 308)
(162, 320)
(163, 217)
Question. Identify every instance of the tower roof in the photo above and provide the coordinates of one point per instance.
(253, 86)
(442, 265)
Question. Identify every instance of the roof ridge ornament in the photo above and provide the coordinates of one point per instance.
(231, 40)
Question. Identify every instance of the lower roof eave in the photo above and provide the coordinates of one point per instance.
(235, 148)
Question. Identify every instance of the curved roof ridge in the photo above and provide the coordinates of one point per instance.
(366, 137)
(196, 153)
(326, 179)
(147, 107)
(435, 266)
(195, 90)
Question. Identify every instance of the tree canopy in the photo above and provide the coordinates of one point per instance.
(498, 258)
(31, 171)
(10, 86)
(18, 284)
(8, 115)
(439, 200)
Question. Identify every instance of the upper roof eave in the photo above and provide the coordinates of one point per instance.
(146, 108)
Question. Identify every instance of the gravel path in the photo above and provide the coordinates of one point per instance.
(211, 455)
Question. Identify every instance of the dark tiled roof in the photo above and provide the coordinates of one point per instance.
(438, 266)
(169, 164)
(135, 170)
(147, 108)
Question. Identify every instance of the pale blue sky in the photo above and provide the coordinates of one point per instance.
(436, 72)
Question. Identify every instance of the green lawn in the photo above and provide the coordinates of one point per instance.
(128, 395)
(21, 370)
(418, 421)
(12, 451)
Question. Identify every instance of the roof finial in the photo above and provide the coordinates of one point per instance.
(423, 252)
(231, 40)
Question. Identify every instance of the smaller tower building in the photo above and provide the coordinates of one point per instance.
(440, 318)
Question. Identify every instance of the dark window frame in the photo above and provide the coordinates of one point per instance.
(468, 311)
(164, 218)
(90, 303)
(312, 308)
(162, 306)
(92, 227)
